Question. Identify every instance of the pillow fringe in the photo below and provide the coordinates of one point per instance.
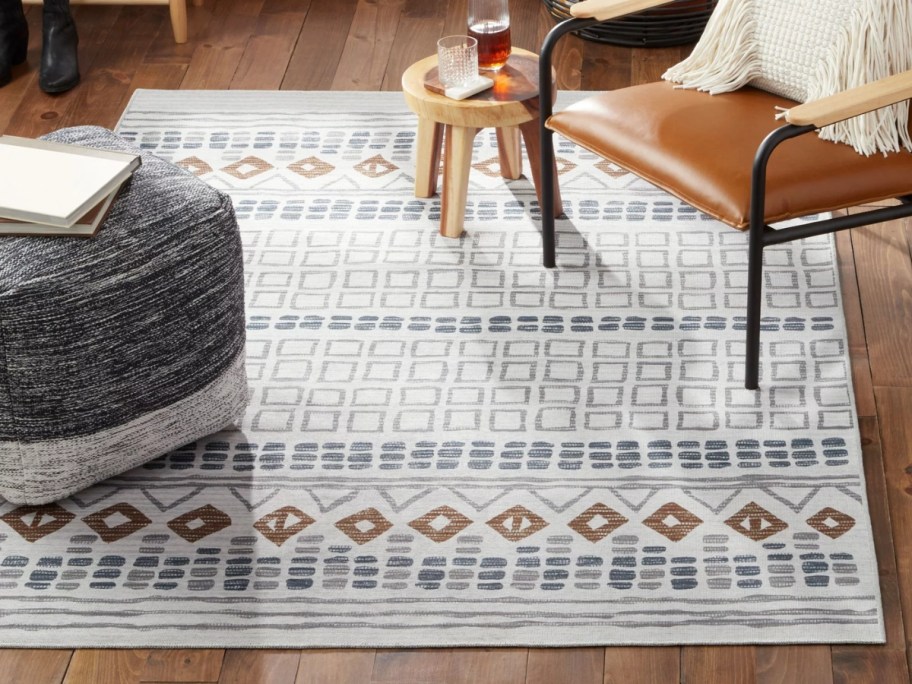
(725, 57)
(876, 43)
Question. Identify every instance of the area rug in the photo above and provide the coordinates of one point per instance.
(448, 445)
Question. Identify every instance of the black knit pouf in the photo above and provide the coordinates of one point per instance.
(118, 348)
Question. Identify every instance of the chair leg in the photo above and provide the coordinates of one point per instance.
(546, 194)
(754, 306)
(179, 20)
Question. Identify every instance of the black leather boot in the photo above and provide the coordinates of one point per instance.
(59, 61)
(13, 38)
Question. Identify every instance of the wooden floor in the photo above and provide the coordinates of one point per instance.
(365, 45)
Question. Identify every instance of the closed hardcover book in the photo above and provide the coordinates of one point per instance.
(87, 226)
(55, 184)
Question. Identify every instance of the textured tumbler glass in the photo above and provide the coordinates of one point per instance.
(457, 60)
(489, 22)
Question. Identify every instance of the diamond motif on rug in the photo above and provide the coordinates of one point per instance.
(364, 526)
(312, 167)
(441, 523)
(194, 165)
(375, 167)
(831, 522)
(116, 522)
(517, 523)
(200, 523)
(35, 522)
(755, 522)
(282, 524)
(673, 521)
(597, 522)
(247, 168)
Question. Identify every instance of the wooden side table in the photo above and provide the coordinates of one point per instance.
(511, 107)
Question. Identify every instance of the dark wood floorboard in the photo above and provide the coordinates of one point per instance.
(365, 45)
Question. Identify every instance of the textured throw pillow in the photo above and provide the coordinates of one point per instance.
(805, 50)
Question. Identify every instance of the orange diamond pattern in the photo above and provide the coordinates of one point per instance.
(194, 165)
(282, 524)
(517, 523)
(200, 522)
(248, 167)
(755, 522)
(312, 167)
(35, 522)
(117, 521)
(375, 167)
(673, 521)
(597, 522)
(364, 526)
(441, 524)
(831, 522)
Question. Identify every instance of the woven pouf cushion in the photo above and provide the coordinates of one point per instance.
(118, 348)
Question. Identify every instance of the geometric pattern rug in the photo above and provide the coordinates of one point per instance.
(448, 444)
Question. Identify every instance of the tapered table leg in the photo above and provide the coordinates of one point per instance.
(427, 157)
(530, 135)
(457, 161)
(509, 149)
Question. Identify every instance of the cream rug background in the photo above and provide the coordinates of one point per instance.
(448, 445)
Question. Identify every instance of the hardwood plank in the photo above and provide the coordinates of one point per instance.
(525, 28)
(885, 284)
(106, 666)
(886, 668)
(858, 347)
(488, 665)
(787, 664)
(215, 62)
(729, 664)
(565, 666)
(367, 48)
(340, 666)
(112, 72)
(605, 67)
(39, 113)
(183, 665)
(316, 55)
(165, 51)
(420, 27)
(642, 664)
(249, 666)
(265, 59)
(34, 665)
(648, 64)
(894, 408)
(411, 666)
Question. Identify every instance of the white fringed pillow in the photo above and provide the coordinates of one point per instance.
(805, 50)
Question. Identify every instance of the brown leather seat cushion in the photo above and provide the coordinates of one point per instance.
(701, 148)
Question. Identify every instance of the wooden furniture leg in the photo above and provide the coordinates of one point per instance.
(509, 150)
(427, 157)
(530, 135)
(457, 162)
(179, 20)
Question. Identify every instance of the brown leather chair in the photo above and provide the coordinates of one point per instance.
(662, 134)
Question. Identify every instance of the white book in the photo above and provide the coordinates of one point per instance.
(86, 226)
(56, 184)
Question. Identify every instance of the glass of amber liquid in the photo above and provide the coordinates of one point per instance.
(489, 24)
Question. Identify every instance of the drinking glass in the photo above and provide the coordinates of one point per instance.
(489, 23)
(457, 60)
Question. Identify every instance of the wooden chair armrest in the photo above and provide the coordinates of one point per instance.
(852, 102)
(603, 10)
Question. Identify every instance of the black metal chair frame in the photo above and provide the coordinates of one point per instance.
(760, 234)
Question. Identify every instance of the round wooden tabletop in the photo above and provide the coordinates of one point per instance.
(512, 101)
